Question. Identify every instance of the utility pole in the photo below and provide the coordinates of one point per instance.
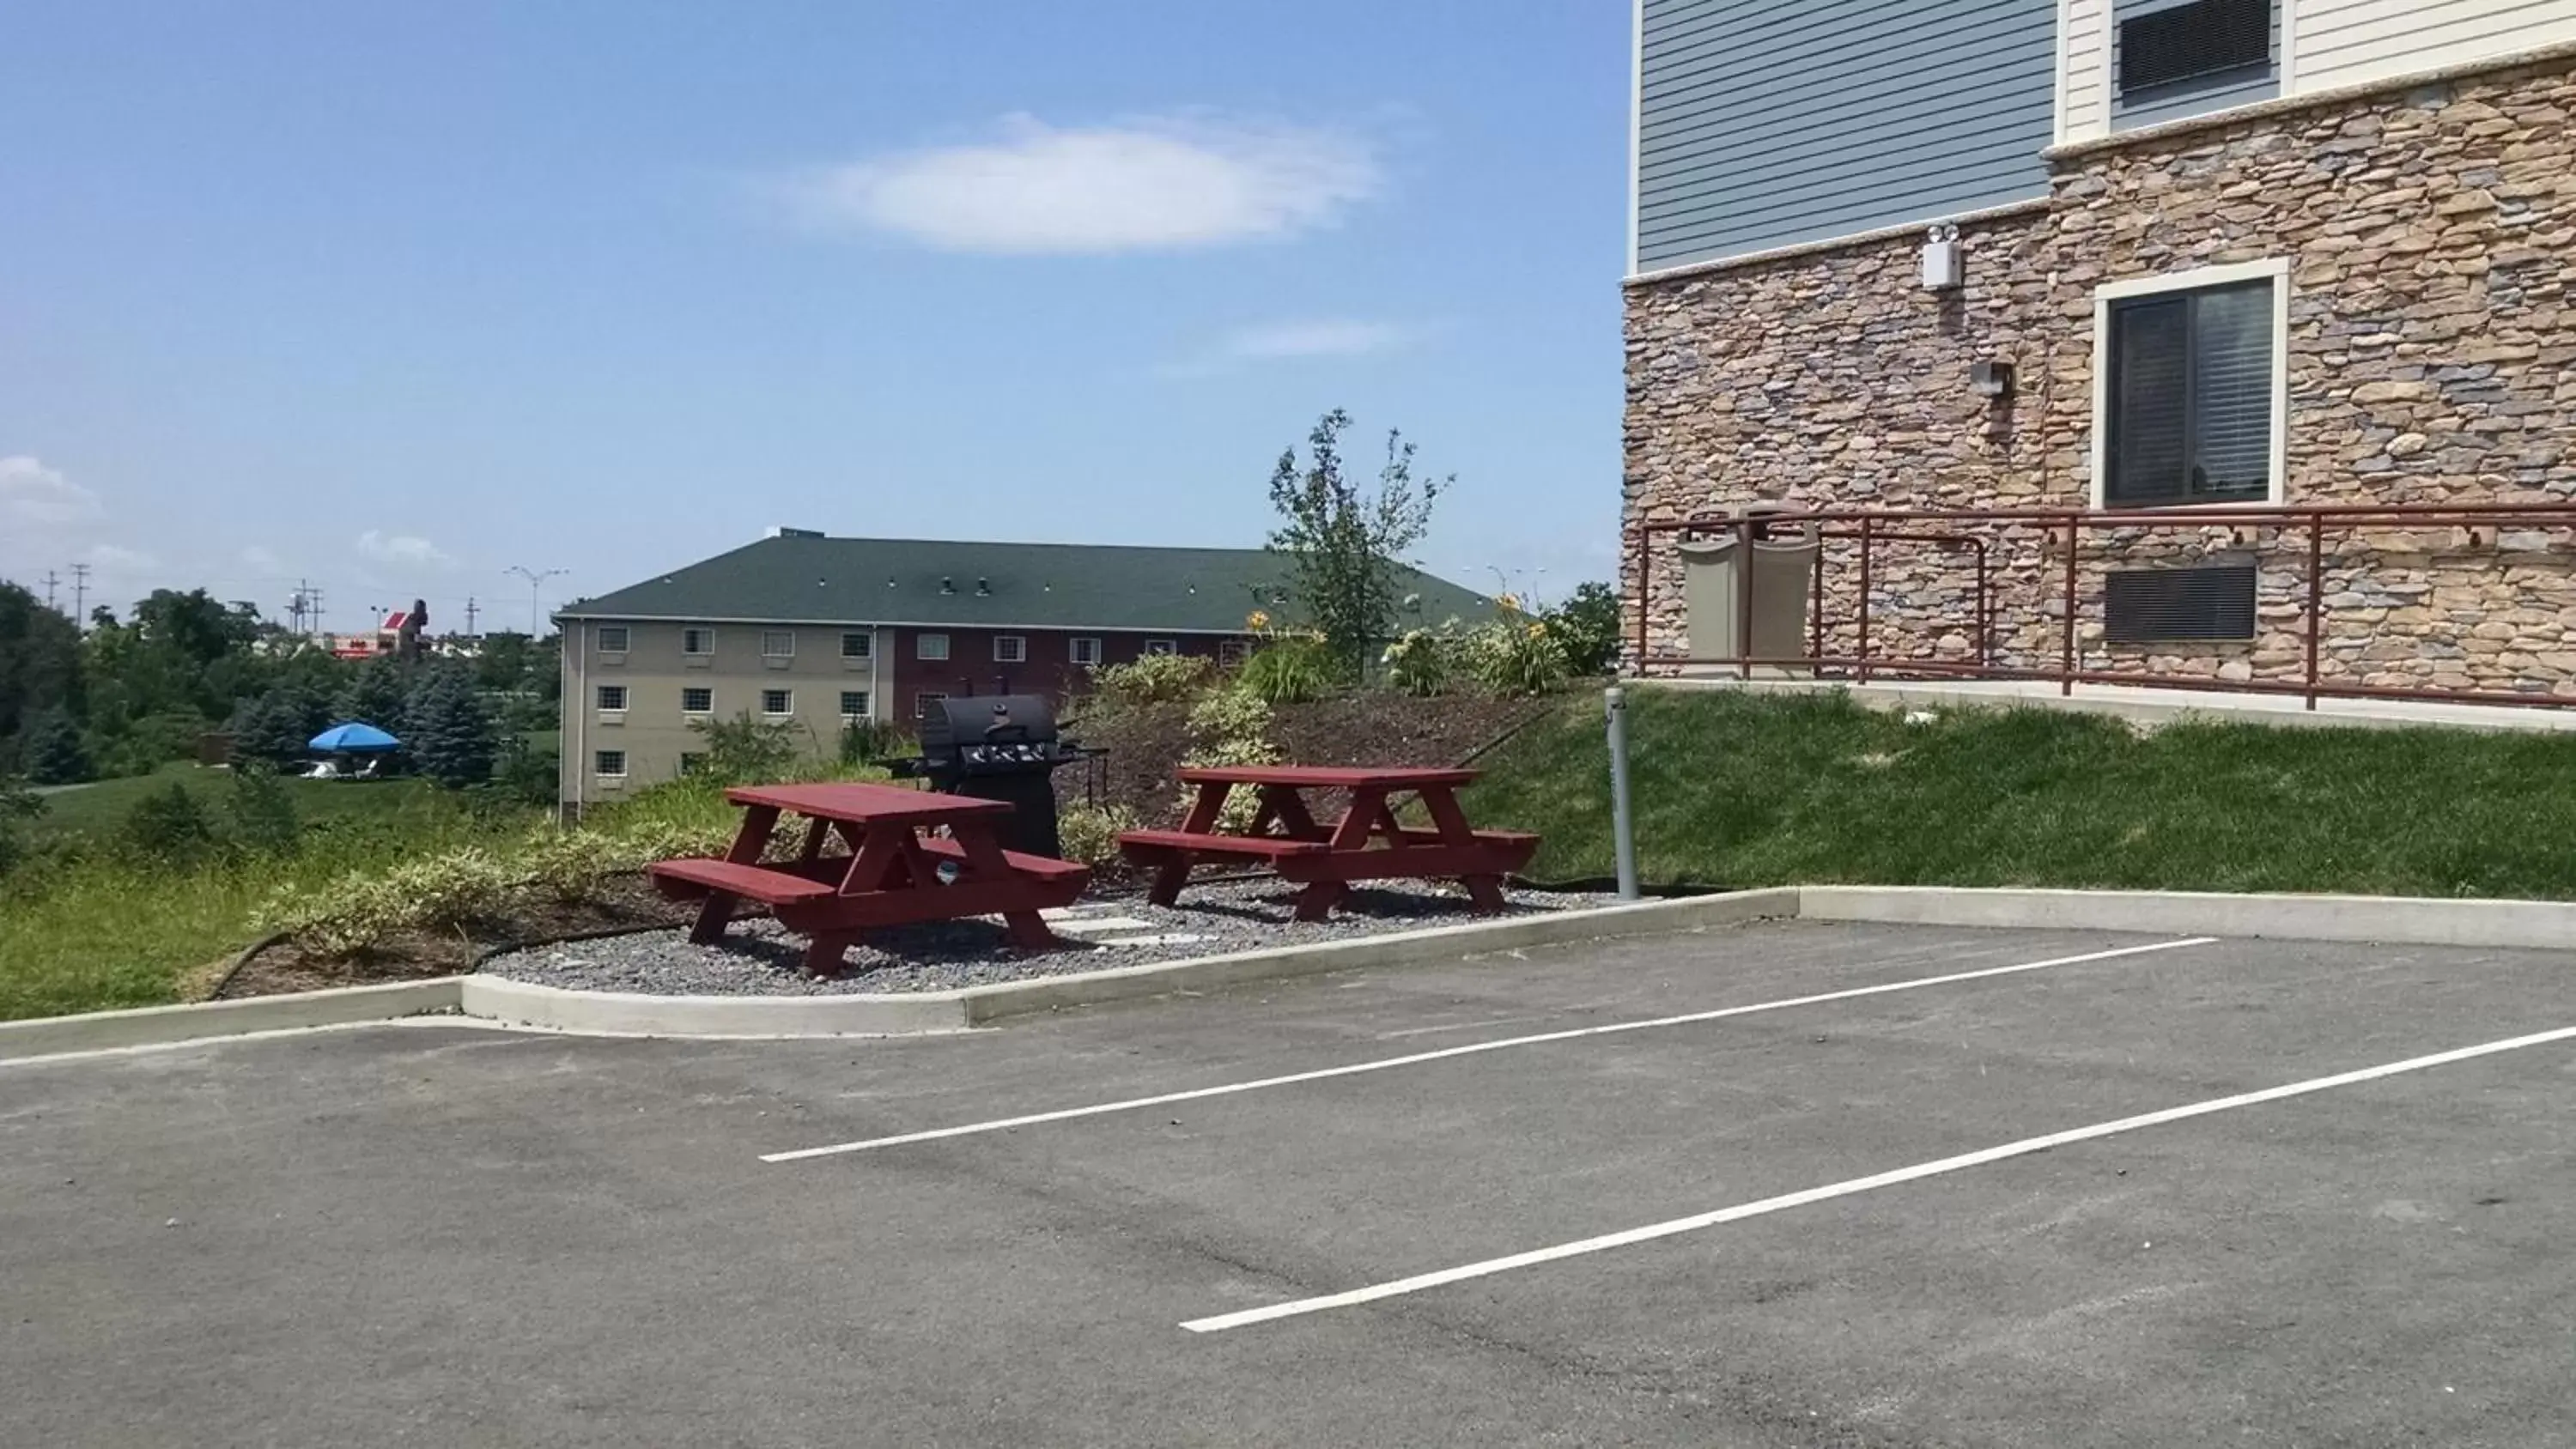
(470, 612)
(536, 585)
(51, 579)
(80, 594)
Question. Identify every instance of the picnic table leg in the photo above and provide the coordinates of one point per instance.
(1316, 901)
(1283, 804)
(985, 861)
(716, 911)
(1485, 890)
(827, 952)
(1175, 872)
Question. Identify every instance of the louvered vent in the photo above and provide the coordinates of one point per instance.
(2144, 605)
(2187, 42)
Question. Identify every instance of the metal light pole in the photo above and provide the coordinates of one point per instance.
(536, 583)
(1623, 831)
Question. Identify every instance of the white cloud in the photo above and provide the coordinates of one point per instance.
(260, 558)
(402, 548)
(35, 496)
(110, 558)
(1153, 184)
(1328, 337)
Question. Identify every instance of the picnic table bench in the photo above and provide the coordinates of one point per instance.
(890, 875)
(1366, 842)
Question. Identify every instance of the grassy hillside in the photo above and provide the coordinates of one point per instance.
(1746, 791)
(96, 810)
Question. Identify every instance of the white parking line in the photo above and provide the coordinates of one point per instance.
(1470, 1049)
(2023, 1148)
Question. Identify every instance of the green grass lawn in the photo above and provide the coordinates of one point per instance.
(96, 810)
(1744, 791)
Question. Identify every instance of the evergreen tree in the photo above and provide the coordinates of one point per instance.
(448, 731)
(376, 694)
(53, 749)
(276, 728)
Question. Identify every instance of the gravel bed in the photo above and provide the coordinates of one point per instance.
(758, 958)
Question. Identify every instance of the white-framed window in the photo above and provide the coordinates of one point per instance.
(695, 640)
(777, 702)
(854, 704)
(1086, 651)
(697, 701)
(1157, 648)
(693, 762)
(1230, 653)
(609, 764)
(613, 638)
(2191, 387)
(923, 699)
(612, 699)
(1010, 649)
(858, 644)
(933, 647)
(777, 643)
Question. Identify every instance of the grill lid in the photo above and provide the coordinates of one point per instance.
(991, 723)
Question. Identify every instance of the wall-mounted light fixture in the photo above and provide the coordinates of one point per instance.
(1990, 378)
(1943, 266)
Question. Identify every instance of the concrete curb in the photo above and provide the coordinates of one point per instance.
(2387, 920)
(2391, 920)
(918, 1012)
(161, 1025)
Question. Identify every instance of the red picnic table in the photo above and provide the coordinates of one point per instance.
(890, 875)
(1367, 842)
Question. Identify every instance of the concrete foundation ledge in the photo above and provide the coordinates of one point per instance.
(2393, 920)
(628, 1013)
(162, 1025)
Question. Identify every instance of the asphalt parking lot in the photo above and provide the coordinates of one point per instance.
(1877, 1186)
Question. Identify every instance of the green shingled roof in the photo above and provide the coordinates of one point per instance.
(805, 578)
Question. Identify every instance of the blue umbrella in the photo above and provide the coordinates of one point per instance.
(354, 737)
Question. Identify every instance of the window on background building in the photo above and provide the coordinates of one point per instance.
(1156, 648)
(612, 698)
(924, 699)
(2192, 395)
(930, 646)
(858, 645)
(777, 643)
(693, 763)
(1010, 649)
(697, 701)
(697, 641)
(609, 763)
(1086, 651)
(777, 701)
(1230, 653)
(612, 638)
(854, 704)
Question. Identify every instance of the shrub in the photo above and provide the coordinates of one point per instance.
(1515, 654)
(1090, 832)
(1291, 669)
(17, 803)
(148, 743)
(1419, 663)
(1586, 627)
(746, 751)
(363, 909)
(167, 826)
(528, 773)
(259, 816)
(866, 741)
(1230, 727)
(1154, 679)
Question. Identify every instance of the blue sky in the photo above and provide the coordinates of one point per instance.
(398, 297)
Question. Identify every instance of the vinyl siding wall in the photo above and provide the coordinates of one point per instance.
(1767, 123)
(2325, 44)
(2349, 42)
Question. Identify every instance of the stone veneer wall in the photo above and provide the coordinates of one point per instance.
(2432, 359)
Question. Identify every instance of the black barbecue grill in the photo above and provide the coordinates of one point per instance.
(998, 747)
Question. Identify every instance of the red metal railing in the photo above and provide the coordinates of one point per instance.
(1868, 532)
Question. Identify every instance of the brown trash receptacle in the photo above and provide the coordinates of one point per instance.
(1784, 566)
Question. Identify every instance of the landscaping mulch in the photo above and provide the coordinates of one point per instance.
(626, 903)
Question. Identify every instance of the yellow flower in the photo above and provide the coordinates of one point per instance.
(1538, 631)
(1511, 603)
(1257, 619)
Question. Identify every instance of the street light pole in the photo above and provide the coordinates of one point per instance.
(536, 583)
